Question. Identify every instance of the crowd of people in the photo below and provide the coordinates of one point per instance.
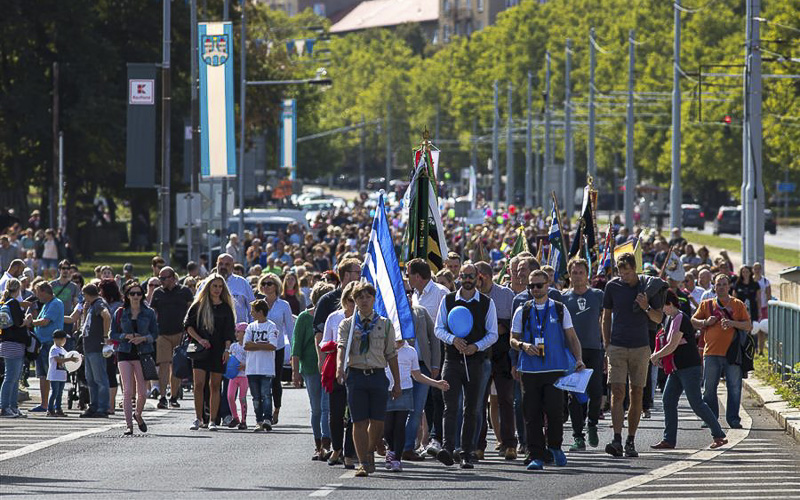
(291, 309)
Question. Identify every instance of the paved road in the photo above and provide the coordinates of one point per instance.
(171, 461)
(785, 237)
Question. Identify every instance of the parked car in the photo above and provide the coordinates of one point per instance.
(729, 220)
(693, 216)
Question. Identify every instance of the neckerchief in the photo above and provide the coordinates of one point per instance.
(364, 326)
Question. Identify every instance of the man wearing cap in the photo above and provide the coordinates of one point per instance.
(170, 301)
(460, 375)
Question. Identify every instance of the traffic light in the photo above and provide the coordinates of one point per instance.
(727, 121)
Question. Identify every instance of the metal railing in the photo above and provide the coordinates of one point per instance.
(783, 339)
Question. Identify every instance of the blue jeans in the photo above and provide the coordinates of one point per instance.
(420, 394)
(713, 368)
(97, 379)
(10, 389)
(56, 389)
(261, 390)
(687, 381)
(319, 415)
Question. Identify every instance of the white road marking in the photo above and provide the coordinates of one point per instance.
(325, 490)
(735, 436)
(66, 438)
(348, 474)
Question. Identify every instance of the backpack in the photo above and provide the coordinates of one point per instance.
(526, 313)
(6, 318)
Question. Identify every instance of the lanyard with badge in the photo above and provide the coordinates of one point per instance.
(541, 324)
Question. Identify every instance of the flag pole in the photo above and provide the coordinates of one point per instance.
(558, 217)
(663, 270)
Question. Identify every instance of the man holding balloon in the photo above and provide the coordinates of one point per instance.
(543, 333)
(467, 324)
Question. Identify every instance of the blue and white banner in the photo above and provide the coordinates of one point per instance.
(383, 271)
(289, 136)
(217, 128)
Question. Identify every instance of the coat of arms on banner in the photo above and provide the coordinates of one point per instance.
(215, 49)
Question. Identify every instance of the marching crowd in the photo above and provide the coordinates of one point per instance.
(291, 308)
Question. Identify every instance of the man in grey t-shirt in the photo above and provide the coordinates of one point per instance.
(630, 302)
(585, 305)
(95, 334)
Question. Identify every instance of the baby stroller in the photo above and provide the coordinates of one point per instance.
(78, 387)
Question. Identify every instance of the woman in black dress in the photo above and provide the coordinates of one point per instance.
(747, 290)
(211, 323)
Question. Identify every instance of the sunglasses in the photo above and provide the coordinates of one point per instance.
(467, 276)
(268, 283)
(135, 294)
(164, 278)
(152, 285)
(533, 286)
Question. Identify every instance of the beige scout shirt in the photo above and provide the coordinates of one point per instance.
(381, 344)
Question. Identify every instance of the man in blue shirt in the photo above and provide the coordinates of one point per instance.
(50, 319)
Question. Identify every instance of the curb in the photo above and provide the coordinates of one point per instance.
(787, 416)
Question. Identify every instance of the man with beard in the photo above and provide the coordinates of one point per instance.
(465, 363)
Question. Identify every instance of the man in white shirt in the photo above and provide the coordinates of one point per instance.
(234, 249)
(14, 271)
(426, 294)
(465, 363)
(240, 288)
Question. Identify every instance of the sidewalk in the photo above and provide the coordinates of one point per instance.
(787, 416)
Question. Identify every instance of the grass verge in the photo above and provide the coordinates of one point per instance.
(785, 256)
(140, 261)
(788, 389)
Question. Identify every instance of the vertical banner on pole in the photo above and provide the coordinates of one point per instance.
(217, 128)
(289, 136)
(140, 157)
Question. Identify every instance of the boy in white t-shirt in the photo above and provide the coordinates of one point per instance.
(56, 373)
(394, 427)
(260, 339)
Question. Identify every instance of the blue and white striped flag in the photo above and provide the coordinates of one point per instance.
(383, 271)
(217, 127)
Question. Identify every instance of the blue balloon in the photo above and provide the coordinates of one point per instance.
(460, 321)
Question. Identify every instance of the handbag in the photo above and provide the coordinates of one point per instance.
(181, 364)
(668, 361)
(197, 352)
(148, 366)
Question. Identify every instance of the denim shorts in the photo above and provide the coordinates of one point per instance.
(367, 392)
(43, 360)
(404, 403)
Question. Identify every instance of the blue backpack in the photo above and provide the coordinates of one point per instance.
(6, 318)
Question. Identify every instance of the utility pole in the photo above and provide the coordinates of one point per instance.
(362, 182)
(630, 187)
(242, 109)
(528, 154)
(436, 130)
(752, 183)
(474, 157)
(56, 155)
(195, 117)
(495, 152)
(388, 146)
(591, 167)
(569, 171)
(61, 205)
(223, 223)
(675, 214)
(538, 167)
(510, 150)
(166, 172)
(548, 153)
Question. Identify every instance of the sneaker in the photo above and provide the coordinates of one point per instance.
(227, 420)
(445, 457)
(8, 414)
(466, 462)
(233, 423)
(242, 426)
(535, 465)
(511, 453)
(592, 435)
(212, 426)
(558, 457)
(411, 456)
(389, 460)
(259, 427)
(630, 450)
(128, 432)
(396, 466)
(173, 403)
(736, 426)
(154, 393)
(22, 414)
(50, 414)
(60, 413)
(646, 414)
(614, 449)
(204, 425)
(434, 447)
(528, 458)
(266, 425)
(578, 445)
(195, 425)
(162, 404)
(361, 472)
(89, 413)
(38, 409)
